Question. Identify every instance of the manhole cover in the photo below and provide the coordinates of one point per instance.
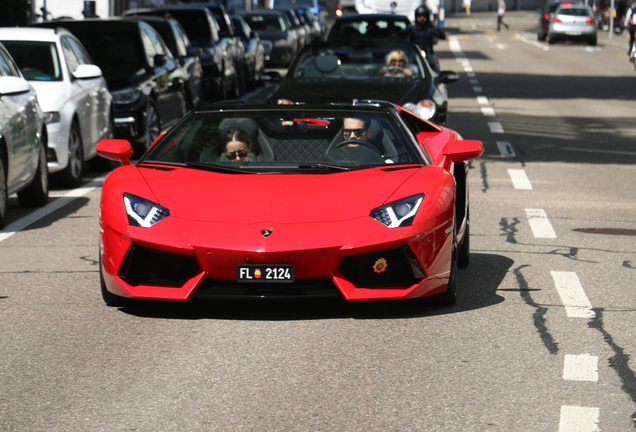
(607, 231)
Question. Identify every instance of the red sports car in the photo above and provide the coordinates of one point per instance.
(365, 201)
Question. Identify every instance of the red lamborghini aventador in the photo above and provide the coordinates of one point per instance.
(365, 201)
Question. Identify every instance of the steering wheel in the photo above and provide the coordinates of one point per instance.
(362, 143)
(393, 68)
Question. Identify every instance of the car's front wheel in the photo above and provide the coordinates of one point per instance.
(37, 193)
(3, 192)
(153, 125)
(71, 176)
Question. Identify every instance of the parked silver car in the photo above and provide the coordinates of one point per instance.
(572, 21)
(22, 140)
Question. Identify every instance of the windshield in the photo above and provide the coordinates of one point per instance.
(579, 12)
(290, 139)
(266, 23)
(38, 61)
(350, 62)
(369, 29)
(113, 48)
(292, 4)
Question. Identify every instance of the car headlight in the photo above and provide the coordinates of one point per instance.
(126, 96)
(284, 102)
(52, 117)
(425, 109)
(280, 43)
(143, 213)
(398, 213)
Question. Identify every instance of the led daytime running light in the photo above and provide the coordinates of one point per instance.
(398, 213)
(142, 212)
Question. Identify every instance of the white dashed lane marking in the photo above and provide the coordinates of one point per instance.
(505, 148)
(576, 303)
(582, 367)
(519, 179)
(541, 227)
(579, 419)
(482, 100)
(495, 127)
(488, 111)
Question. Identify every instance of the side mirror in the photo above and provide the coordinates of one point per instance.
(160, 60)
(85, 71)
(13, 85)
(272, 76)
(194, 51)
(446, 77)
(463, 150)
(118, 150)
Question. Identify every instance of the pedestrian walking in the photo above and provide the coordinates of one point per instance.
(466, 5)
(501, 11)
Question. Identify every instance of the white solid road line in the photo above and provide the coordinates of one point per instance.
(541, 227)
(54, 205)
(579, 419)
(576, 303)
(582, 367)
(519, 179)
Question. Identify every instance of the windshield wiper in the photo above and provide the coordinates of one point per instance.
(217, 168)
(326, 166)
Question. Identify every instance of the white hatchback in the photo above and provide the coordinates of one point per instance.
(22, 140)
(71, 91)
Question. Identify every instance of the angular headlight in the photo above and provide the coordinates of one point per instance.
(126, 96)
(143, 213)
(425, 109)
(52, 117)
(398, 213)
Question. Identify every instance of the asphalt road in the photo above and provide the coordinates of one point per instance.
(541, 339)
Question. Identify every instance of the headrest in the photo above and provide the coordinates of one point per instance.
(247, 124)
(327, 63)
(376, 131)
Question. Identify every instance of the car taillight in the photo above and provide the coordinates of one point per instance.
(546, 17)
(589, 21)
(556, 20)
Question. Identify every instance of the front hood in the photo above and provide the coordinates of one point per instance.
(279, 198)
(120, 77)
(51, 94)
(333, 90)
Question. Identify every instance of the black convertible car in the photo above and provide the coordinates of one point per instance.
(340, 72)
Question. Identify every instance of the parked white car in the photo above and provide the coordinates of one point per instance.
(72, 92)
(22, 140)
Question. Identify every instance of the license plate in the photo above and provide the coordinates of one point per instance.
(265, 273)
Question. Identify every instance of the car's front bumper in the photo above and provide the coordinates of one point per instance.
(159, 263)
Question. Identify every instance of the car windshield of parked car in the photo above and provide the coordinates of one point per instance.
(196, 24)
(369, 29)
(38, 61)
(292, 139)
(112, 49)
(355, 63)
(292, 4)
(266, 23)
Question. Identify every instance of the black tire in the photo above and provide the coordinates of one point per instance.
(592, 42)
(37, 193)
(110, 299)
(551, 39)
(4, 196)
(152, 124)
(463, 258)
(449, 297)
(71, 176)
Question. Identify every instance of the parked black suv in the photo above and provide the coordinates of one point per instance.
(184, 52)
(146, 82)
(220, 76)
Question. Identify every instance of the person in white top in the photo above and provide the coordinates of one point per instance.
(630, 24)
(466, 5)
(501, 11)
(433, 6)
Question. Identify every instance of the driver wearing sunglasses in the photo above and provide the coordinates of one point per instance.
(238, 145)
(355, 128)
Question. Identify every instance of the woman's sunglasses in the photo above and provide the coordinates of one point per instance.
(357, 132)
(239, 154)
